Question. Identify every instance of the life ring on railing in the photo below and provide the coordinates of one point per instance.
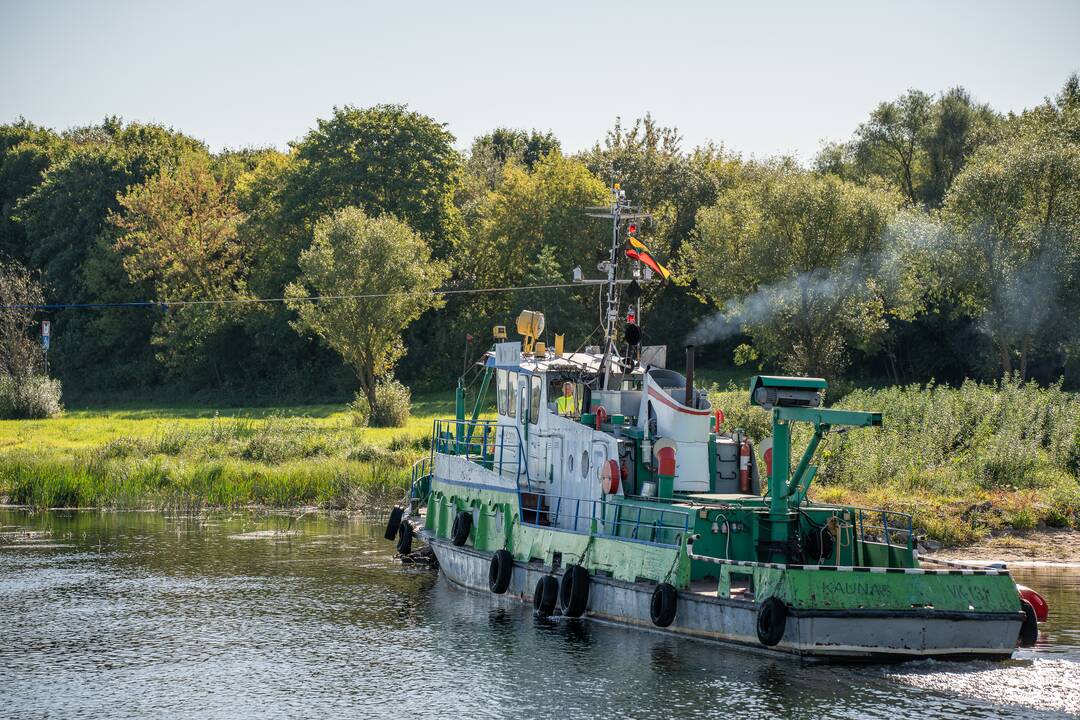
(601, 416)
(609, 477)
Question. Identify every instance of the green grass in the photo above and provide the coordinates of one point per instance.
(142, 456)
(965, 461)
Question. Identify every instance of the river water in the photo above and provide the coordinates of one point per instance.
(133, 615)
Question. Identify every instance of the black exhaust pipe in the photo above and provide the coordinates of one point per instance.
(689, 376)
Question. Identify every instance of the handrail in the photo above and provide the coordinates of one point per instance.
(835, 568)
(500, 447)
(604, 518)
(904, 527)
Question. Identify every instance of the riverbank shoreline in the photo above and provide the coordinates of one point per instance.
(1049, 547)
(1029, 548)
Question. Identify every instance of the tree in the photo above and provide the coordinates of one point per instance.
(959, 128)
(20, 352)
(26, 152)
(353, 254)
(178, 232)
(648, 161)
(893, 139)
(527, 213)
(383, 159)
(490, 152)
(917, 143)
(790, 257)
(69, 239)
(1015, 260)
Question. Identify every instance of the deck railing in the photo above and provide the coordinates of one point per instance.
(605, 518)
(500, 449)
(496, 447)
(885, 526)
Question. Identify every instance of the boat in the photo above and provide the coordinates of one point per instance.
(638, 505)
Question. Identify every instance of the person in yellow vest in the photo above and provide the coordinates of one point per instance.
(566, 404)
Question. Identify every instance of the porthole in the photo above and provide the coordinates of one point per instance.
(585, 463)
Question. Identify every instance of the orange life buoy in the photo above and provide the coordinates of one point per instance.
(609, 477)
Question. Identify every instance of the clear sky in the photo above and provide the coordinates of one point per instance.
(760, 77)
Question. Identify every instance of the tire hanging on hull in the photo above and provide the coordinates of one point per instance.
(459, 533)
(500, 571)
(771, 620)
(405, 537)
(663, 605)
(574, 591)
(546, 596)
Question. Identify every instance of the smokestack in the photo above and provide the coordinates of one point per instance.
(689, 376)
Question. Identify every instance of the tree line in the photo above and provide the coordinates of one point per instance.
(942, 240)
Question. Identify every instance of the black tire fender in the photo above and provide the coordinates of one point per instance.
(545, 596)
(393, 523)
(1029, 629)
(405, 536)
(459, 533)
(500, 571)
(771, 620)
(663, 605)
(574, 591)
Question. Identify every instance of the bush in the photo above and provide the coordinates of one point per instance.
(360, 411)
(393, 402)
(29, 397)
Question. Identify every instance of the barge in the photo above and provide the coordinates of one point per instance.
(608, 487)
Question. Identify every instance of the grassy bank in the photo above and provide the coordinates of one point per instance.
(965, 461)
(156, 457)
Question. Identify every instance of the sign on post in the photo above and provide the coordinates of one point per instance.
(46, 333)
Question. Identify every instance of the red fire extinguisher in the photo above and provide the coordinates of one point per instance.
(744, 465)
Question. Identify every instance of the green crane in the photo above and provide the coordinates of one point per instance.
(791, 400)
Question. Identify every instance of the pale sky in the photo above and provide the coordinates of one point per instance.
(762, 78)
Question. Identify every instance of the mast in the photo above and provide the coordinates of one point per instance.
(619, 211)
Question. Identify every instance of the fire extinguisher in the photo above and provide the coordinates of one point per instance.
(744, 465)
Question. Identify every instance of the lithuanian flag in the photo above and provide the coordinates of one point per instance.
(638, 251)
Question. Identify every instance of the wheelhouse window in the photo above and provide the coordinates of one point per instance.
(501, 391)
(511, 394)
(534, 400)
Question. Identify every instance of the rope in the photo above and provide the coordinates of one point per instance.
(166, 304)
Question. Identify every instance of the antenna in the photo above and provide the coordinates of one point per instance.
(619, 211)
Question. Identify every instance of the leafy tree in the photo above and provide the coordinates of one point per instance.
(893, 139)
(791, 256)
(917, 143)
(491, 152)
(26, 152)
(1016, 257)
(527, 213)
(70, 240)
(648, 161)
(959, 128)
(353, 254)
(383, 159)
(20, 352)
(178, 232)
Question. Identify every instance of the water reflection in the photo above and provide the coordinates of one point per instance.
(241, 615)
